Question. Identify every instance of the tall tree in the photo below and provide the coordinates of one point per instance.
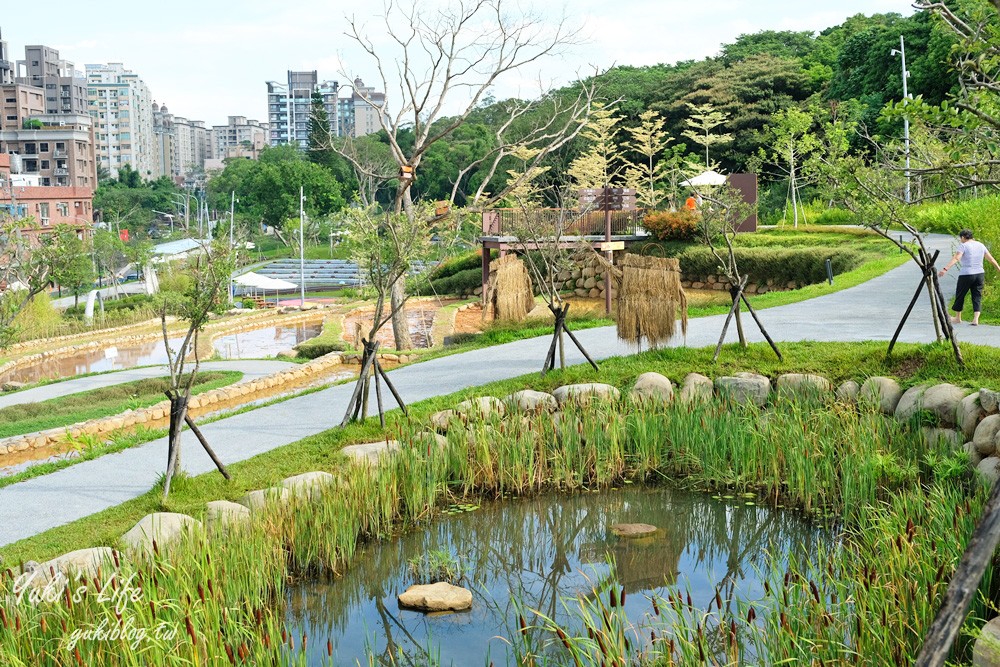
(703, 120)
(75, 270)
(790, 143)
(600, 165)
(649, 140)
(436, 52)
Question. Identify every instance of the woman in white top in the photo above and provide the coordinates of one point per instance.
(971, 277)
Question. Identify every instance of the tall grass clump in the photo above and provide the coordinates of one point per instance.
(906, 510)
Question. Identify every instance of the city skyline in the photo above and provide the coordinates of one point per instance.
(217, 66)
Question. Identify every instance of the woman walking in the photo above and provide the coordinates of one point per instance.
(971, 277)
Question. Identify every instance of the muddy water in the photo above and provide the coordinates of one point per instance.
(419, 319)
(543, 551)
(266, 342)
(255, 344)
(93, 361)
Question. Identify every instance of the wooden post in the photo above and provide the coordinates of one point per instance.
(208, 448)
(760, 325)
(609, 254)
(906, 315)
(729, 318)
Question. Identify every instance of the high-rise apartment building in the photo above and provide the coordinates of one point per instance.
(58, 148)
(120, 105)
(360, 114)
(65, 86)
(164, 138)
(193, 146)
(289, 107)
(239, 138)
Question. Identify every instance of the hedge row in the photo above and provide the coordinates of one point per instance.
(804, 266)
(134, 302)
(461, 282)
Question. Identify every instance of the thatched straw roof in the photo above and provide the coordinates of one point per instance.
(649, 299)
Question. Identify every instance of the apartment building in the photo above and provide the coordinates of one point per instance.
(6, 66)
(360, 115)
(193, 145)
(22, 197)
(120, 104)
(240, 137)
(65, 87)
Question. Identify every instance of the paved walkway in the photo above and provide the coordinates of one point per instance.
(252, 369)
(866, 312)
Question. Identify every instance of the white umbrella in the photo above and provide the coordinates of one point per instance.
(706, 178)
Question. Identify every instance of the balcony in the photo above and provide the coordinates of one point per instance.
(59, 153)
(61, 171)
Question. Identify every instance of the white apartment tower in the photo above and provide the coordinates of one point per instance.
(122, 109)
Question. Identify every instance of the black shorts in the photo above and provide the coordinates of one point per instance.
(969, 283)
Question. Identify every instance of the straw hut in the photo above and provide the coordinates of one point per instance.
(509, 294)
(650, 299)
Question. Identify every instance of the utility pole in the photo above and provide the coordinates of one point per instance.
(302, 247)
(906, 118)
(232, 214)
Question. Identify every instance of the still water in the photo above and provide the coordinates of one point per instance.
(541, 551)
(266, 342)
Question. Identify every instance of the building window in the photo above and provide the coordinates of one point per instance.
(46, 182)
(43, 147)
(45, 165)
(63, 208)
(29, 148)
(31, 166)
(43, 213)
(11, 100)
(60, 145)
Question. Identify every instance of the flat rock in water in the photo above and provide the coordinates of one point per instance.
(441, 596)
(370, 452)
(633, 529)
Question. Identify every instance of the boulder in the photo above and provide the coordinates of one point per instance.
(744, 388)
(633, 529)
(370, 452)
(910, 403)
(986, 650)
(164, 528)
(652, 387)
(83, 562)
(440, 421)
(989, 468)
(441, 596)
(985, 435)
(970, 413)
(13, 386)
(803, 385)
(585, 394)
(258, 500)
(222, 513)
(974, 456)
(309, 484)
(531, 401)
(697, 387)
(482, 407)
(990, 400)
(933, 436)
(426, 439)
(942, 401)
(881, 392)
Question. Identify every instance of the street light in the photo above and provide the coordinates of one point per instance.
(302, 247)
(906, 119)
(168, 216)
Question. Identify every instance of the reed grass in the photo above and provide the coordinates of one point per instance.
(907, 510)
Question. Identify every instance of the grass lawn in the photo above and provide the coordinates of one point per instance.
(912, 364)
(103, 402)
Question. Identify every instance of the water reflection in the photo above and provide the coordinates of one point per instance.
(266, 342)
(93, 361)
(541, 551)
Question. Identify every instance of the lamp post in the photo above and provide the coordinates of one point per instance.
(232, 224)
(168, 216)
(302, 247)
(906, 119)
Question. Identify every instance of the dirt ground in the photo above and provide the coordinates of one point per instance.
(419, 317)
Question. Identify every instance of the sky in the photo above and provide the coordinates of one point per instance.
(208, 60)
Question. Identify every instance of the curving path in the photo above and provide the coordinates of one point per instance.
(251, 369)
(866, 312)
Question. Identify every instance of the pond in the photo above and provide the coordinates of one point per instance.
(255, 344)
(266, 342)
(538, 552)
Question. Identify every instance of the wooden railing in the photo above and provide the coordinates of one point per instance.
(562, 222)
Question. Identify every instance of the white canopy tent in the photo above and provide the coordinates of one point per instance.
(705, 178)
(256, 282)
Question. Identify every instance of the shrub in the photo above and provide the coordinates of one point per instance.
(314, 350)
(803, 266)
(835, 216)
(672, 225)
(126, 303)
(461, 282)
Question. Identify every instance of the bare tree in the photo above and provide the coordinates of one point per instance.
(210, 272)
(436, 55)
